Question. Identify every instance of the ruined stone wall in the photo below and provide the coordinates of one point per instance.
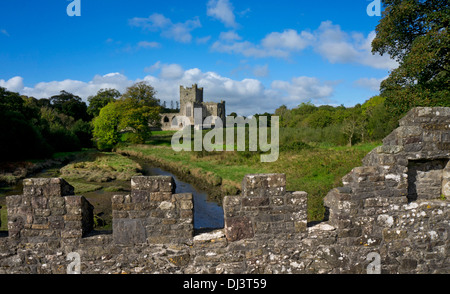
(374, 219)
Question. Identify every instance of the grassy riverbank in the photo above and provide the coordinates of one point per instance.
(315, 169)
(95, 175)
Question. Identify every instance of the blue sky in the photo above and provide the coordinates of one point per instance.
(255, 55)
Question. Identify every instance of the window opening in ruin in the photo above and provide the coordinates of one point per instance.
(425, 178)
(166, 119)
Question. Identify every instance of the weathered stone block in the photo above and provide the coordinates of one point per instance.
(47, 187)
(238, 228)
(264, 184)
(255, 201)
(153, 184)
(160, 196)
(129, 231)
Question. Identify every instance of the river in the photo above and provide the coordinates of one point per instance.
(207, 214)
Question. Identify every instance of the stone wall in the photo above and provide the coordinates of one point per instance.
(152, 213)
(374, 214)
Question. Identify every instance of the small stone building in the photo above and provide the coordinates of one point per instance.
(190, 99)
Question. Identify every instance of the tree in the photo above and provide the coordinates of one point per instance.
(353, 124)
(142, 93)
(129, 118)
(71, 105)
(100, 100)
(20, 136)
(106, 126)
(415, 33)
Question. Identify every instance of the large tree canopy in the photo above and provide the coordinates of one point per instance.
(416, 34)
(100, 100)
(127, 119)
(71, 105)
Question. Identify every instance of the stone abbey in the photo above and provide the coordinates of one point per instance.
(190, 99)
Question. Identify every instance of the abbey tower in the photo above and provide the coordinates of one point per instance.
(191, 99)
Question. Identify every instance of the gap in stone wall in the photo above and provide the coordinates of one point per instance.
(425, 178)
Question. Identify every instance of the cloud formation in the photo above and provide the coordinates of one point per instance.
(222, 10)
(245, 97)
(372, 84)
(338, 46)
(329, 41)
(146, 44)
(14, 84)
(180, 32)
(275, 44)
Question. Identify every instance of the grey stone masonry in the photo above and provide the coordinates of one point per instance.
(411, 165)
(152, 213)
(47, 211)
(264, 209)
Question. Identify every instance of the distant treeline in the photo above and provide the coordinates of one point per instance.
(339, 125)
(33, 128)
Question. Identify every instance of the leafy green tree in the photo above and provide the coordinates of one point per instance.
(132, 114)
(142, 93)
(71, 105)
(416, 34)
(20, 136)
(100, 100)
(106, 126)
(319, 119)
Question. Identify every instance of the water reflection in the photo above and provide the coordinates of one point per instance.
(207, 214)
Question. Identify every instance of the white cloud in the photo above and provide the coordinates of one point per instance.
(288, 40)
(202, 40)
(338, 46)
(14, 84)
(223, 11)
(83, 89)
(171, 71)
(372, 84)
(261, 70)
(274, 44)
(328, 41)
(4, 32)
(146, 44)
(246, 96)
(180, 32)
(302, 89)
(229, 36)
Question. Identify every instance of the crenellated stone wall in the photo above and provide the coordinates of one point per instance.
(394, 207)
(152, 213)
